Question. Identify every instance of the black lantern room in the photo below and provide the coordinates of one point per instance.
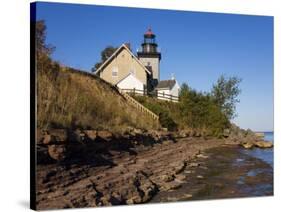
(149, 45)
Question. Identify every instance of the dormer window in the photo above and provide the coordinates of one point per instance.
(114, 72)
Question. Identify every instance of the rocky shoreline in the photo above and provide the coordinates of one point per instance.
(87, 168)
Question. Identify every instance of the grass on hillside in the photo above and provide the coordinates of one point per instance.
(67, 98)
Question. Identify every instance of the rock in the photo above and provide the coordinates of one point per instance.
(202, 156)
(173, 199)
(57, 152)
(186, 196)
(39, 136)
(183, 134)
(180, 177)
(200, 177)
(133, 200)
(148, 190)
(167, 142)
(165, 129)
(105, 200)
(264, 144)
(48, 139)
(60, 135)
(167, 177)
(248, 145)
(55, 136)
(231, 141)
(92, 134)
(188, 172)
(226, 133)
(194, 164)
(137, 131)
(179, 168)
(42, 155)
(78, 136)
(170, 186)
(105, 135)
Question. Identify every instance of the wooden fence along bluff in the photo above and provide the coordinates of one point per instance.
(157, 94)
(138, 105)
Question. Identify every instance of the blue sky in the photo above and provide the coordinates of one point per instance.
(196, 47)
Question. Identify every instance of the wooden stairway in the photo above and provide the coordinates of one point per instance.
(138, 105)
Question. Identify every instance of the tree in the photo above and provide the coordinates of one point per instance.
(184, 91)
(105, 54)
(42, 49)
(225, 93)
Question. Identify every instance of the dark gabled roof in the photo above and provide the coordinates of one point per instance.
(166, 84)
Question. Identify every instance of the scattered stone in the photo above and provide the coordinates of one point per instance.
(200, 177)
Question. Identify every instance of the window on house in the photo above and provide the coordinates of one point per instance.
(115, 72)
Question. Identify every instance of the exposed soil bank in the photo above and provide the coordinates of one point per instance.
(168, 170)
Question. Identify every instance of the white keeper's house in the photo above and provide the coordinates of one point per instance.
(139, 73)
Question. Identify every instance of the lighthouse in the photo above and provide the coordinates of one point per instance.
(149, 54)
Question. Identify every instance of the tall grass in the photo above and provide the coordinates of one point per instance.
(68, 98)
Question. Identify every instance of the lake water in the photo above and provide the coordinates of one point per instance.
(264, 154)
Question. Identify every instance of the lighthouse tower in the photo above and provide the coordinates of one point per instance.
(149, 54)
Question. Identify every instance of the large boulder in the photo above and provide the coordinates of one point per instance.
(55, 136)
(57, 152)
(264, 144)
